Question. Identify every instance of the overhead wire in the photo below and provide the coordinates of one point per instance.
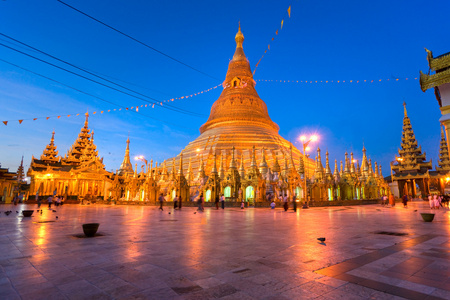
(88, 94)
(136, 40)
(90, 73)
(105, 85)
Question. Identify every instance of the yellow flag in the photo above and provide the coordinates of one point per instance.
(282, 24)
(289, 11)
(276, 32)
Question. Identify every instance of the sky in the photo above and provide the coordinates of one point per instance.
(194, 42)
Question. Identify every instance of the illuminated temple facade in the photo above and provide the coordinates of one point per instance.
(239, 153)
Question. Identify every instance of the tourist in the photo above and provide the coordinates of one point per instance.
(285, 204)
(217, 202)
(49, 199)
(200, 203)
(222, 199)
(58, 201)
(405, 201)
(392, 200)
(175, 202)
(161, 200)
(294, 202)
(436, 202)
(430, 201)
(179, 202)
(272, 205)
(242, 204)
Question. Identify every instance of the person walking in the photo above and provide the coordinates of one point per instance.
(161, 200)
(217, 202)
(285, 204)
(38, 201)
(392, 200)
(200, 203)
(179, 202)
(405, 201)
(50, 202)
(294, 202)
(222, 200)
(175, 202)
(242, 204)
(436, 201)
(430, 201)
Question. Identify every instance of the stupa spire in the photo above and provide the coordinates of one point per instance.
(276, 166)
(214, 167)
(253, 164)
(444, 161)
(352, 163)
(242, 169)
(180, 169)
(221, 168)
(126, 166)
(50, 153)
(336, 171)
(347, 164)
(411, 159)
(233, 161)
(341, 172)
(327, 164)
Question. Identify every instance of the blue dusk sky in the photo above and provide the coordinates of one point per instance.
(321, 41)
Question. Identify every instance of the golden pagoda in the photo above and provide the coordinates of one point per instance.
(410, 168)
(80, 174)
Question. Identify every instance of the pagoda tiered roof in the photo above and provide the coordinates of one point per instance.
(440, 65)
(444, 160)
(411, 160)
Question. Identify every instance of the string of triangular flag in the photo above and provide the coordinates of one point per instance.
(137, 107)
(288, 12)
(338, 81)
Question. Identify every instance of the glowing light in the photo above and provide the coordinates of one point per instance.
(198, 150)
(303, 138)
(447, 179)
(307, 148)
(314, 138)
(355, 160)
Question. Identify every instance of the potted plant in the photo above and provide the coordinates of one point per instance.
(90, 229)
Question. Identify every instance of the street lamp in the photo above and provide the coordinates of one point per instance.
(142, 158)
(305, 141)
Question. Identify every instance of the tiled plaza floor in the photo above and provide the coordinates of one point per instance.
(232, 254)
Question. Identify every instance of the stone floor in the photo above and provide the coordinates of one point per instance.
(370, 252)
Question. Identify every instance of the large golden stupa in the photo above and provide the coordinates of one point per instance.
(239, 119)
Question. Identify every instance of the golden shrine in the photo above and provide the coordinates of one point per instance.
(238, 154)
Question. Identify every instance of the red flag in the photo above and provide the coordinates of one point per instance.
(20, 121)
(59, 117)
(47, 118)
(34, 119)
(5, 122)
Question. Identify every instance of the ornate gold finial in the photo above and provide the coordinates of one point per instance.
(232, 162)
(239, 38)
(180, 170)
(404, 107)
(86, 121)
(253, 157)
(214, 168)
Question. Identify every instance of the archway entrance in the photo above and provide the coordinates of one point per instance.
(249, 193)
(227, 191)
(208, 196)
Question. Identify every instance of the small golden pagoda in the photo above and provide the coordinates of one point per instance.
(410, 167)
(80, 174)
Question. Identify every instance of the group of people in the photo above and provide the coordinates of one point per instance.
(435, 201)
(57, 200)
(220, 199)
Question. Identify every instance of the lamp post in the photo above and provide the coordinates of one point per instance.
(142, 158)
(305, 141)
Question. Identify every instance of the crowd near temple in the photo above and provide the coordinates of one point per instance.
(239, 154)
